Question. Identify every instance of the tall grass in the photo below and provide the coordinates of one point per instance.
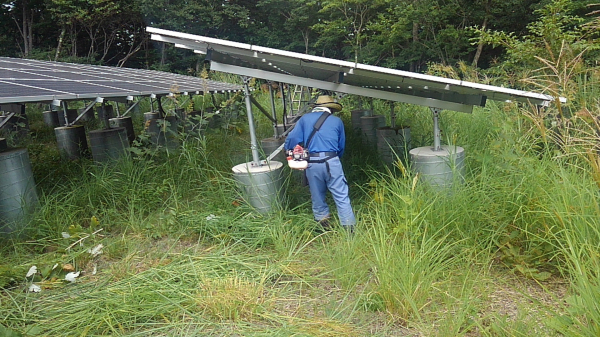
(184, 256)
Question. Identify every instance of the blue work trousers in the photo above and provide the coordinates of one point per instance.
(320, 179)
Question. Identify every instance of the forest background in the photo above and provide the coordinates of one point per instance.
(401, 34)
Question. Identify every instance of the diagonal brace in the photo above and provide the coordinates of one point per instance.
(5, 121)
(87, 108)
(262, 110)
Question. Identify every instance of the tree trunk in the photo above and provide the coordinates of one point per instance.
(147, 53)
(415, 40)
(25, 31)
(479, 46)
(131, 52)
(30, 31)
(73, 40)
(305, 38)
(60, 42)
(163, 54)
(488, 5)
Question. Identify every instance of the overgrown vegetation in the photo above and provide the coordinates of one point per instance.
(162, 244)
(181, 254)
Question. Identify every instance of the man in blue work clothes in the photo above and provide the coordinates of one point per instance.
(324, 170)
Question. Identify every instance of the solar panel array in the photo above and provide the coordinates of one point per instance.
(343, 76)
(23, 80)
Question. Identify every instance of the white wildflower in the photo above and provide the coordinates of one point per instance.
(65, 235)
(72, 276)
(96, 250)
(211, 217)
(34, 288)
(32, 271)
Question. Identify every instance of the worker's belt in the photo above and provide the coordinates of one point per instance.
(321, 157)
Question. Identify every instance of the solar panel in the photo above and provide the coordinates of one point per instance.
(343, 76)
(23, 80)
(8, 90)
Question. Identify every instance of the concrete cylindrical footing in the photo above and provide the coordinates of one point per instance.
(51, 118)
(108, 111)
(215, 121)
(87, 116)
(269, 145)
(125, 122)
(369, 126)
(280, 129)
(109, 144)
(192, 123)
(163, 132)
(355, 116)
(71, 141)
(180, 113)
(393, 143)
(440, 169)
(71, 115)
(18, 196)
(150, 115)
(261, 186)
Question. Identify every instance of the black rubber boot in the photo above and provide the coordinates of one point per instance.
(325, 224)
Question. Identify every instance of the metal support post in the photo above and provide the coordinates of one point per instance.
(288, 97)
(253, 142)
(161, 111)
(437, 146)
(284, 118)
(64, 105)
(105, 115)
(273, 112)
(213, 100)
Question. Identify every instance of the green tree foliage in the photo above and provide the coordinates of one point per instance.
(347, 24)
(221, 19)
(287, 24)
(403, 34)
(543, 38)
(551, 54)
(104, 24)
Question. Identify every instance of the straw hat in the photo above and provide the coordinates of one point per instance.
(328, 102)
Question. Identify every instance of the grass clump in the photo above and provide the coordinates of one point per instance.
(231, 298)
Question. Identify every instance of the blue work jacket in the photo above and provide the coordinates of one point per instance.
(330, 138)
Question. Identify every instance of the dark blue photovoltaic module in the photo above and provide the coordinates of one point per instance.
(23, 80)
